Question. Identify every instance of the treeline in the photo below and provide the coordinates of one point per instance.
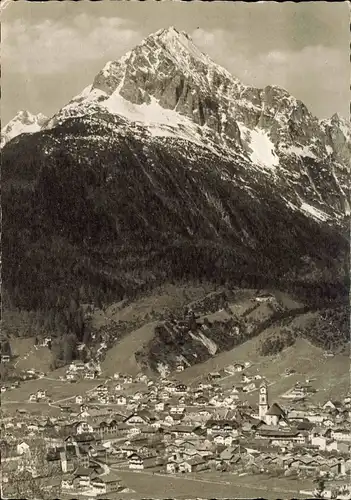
(330, 329)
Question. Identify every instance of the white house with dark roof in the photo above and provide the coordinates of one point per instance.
(274, 414)
(271, 415)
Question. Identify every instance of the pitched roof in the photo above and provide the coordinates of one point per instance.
(275, 410)
(84, 471)
(109, 478)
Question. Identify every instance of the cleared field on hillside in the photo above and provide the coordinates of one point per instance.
(33, 409)
(169, 297)
(56, 389)
(28, 357)
(332, 374)
(121, 358)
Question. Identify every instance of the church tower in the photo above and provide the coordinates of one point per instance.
(263, 401)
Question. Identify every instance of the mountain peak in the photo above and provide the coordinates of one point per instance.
(178, 43)
(24, 122)
(170, 31)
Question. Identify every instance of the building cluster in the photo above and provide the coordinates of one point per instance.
(165, 426)
(79, 370)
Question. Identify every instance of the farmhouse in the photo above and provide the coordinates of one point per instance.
(83, 428)
(341, 434)
(195, 464)
(107, 483)
(136, 462)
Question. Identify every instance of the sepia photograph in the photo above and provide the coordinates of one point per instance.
(175, 254)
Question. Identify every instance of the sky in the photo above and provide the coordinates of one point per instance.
(51, 51)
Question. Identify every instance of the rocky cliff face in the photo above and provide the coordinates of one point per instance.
(23, 123)
(171, 87)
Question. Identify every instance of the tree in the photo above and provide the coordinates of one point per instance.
(28, 476)
(69, 348)
(320, 486)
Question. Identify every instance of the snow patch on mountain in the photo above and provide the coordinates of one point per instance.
(208, 343)
(179, 43)
(163, 122)
(314, 212)
(300, 151)
(262, 150)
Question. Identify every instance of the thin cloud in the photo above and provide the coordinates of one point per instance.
(51, 47)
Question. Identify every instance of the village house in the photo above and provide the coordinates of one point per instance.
(106, 484)
(249, 387)
(84, 412)
(135, 462)
(121, 400)
(67, 482)
(338, 447)
(23, 448)
(279, 437)
(41, 394)
(101, 389)
(82, 428)
(238, 367)
(181, 388)
(332, 405)
(159, 406)
(264, 297)
(182, 431)
(328, 422)
(223, 427)
(76, 366)
(83, 477)
(141, 377)
(341, 434)
(195, 464)
(246, 378)
(177, 410)
(172, 466)
(223, 440)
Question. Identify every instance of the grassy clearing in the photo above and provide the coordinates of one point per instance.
(166, 297)
(33, 409)
(56, 389)
(28, 358)
(332, 374)
(121, 358)
(208, 485)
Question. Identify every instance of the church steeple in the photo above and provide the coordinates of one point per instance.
(263, 401)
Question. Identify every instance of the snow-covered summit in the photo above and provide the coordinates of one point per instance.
(23, 122)
(179, 44)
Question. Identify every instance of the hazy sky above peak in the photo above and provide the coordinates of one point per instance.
(51, 51)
